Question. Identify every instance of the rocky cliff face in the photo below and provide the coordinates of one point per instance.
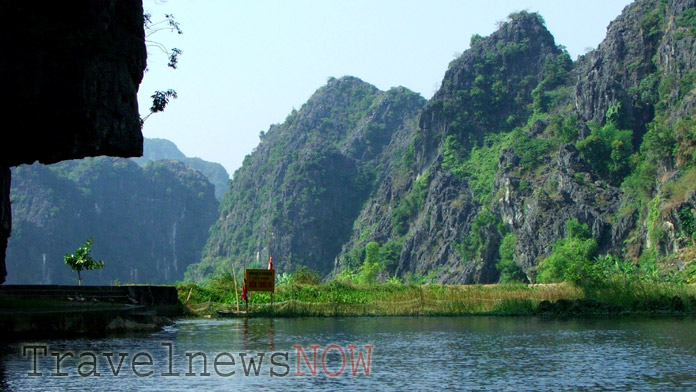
(301, 189)
(566, 190)
(488, 88)
(606, 75)
(644, 72)
(148, 223)
(500, 151)
(73, 71)
(485, 94)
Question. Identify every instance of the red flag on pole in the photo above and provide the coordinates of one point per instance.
(244, 291)
(270, 262)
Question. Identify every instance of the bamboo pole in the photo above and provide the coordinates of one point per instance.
(236, 295)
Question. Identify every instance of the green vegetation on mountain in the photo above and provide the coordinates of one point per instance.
(297, 195)
(570, 255)
(524, 166)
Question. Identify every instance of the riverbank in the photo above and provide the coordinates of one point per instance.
(71, 311)
(217, 298)
(38, 311)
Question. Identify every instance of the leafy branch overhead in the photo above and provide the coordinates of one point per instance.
(160, 98)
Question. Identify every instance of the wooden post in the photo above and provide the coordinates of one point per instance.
(236, 295)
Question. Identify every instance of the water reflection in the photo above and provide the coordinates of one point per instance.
(256, 332)
(4, 386)
(481, 353)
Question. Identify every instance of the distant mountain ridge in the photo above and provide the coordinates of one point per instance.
(158, 149)
(155, 149)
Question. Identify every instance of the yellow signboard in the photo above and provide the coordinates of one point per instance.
(260, 279)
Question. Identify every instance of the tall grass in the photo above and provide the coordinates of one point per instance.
(386, 299)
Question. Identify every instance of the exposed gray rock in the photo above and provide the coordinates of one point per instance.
(433, 243)
(297, 195)
(566, 191)
(620, 63)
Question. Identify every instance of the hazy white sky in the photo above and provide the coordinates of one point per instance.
(247, 64)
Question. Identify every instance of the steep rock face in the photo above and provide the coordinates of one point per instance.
(73, 71)
(488, 87)
(606, 75)
(303, 186)
(496, 153)
(448, 210)
(517, 145)
(645, 44)
(667, 226)
(148, 223)
(486, 91)
(421, 222)
(79, 66)
(159, 149)
(567, 189)
(656, 97)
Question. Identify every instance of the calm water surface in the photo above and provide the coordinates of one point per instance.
(422, 353)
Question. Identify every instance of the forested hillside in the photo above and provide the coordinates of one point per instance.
(300, 191)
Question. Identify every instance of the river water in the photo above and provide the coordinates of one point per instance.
(388, 354)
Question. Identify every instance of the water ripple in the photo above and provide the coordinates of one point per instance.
(419, 353)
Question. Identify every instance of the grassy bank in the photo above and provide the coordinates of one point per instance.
(393, 299)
